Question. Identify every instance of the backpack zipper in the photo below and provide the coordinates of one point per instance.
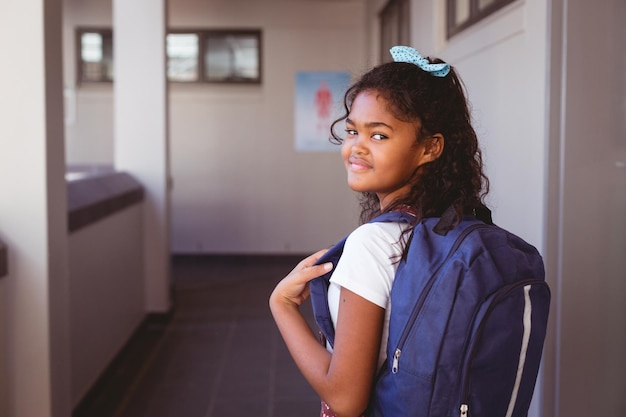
(465, 366)
(418, 306)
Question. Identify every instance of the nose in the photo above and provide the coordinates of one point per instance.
(357, 145)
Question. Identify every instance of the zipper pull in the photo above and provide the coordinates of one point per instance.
(464, 409)
(396, 358)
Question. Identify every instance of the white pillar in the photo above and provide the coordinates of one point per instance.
(33, 212)
(141, 136)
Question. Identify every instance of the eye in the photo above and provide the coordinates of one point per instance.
(351, 132)
(379, 136)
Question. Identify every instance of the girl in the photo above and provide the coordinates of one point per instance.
(408, 145)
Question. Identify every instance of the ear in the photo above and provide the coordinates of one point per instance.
(433, 147)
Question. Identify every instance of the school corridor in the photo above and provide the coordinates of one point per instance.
(199, 166)
(219, 354)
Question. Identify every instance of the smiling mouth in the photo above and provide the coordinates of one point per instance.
(357, 164)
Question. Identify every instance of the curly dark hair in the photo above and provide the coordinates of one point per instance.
(454, 181)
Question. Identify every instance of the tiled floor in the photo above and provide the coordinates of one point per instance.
(220, 354)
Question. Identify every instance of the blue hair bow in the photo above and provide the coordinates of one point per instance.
(410, 55)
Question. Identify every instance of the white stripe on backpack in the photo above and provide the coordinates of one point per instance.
(522, 356)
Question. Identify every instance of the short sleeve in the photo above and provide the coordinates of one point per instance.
(368, 264)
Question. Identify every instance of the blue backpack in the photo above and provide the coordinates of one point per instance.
(468, 321)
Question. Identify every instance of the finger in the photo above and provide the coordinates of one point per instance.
(315, 271)
(312, 259)
(306, 293)
(303, 274)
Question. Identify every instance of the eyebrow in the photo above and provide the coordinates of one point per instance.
(370, 124)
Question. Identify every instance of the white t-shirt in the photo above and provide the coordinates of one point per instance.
(367, 267)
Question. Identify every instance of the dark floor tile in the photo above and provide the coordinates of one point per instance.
(220, 354)
(240, 407)
(296, 407)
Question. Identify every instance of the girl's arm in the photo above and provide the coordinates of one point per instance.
(343, 379)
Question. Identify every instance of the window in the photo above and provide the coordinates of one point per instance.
(462, 14)
(182, 56)
(211, 56)
(232, 57)
(394, 27)
(214, 56)
(95, 55)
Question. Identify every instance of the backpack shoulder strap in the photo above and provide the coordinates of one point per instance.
(395, 216)
(448, 219)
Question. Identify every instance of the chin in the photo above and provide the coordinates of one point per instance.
(357, 188)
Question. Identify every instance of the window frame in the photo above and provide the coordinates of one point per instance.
(475, 15)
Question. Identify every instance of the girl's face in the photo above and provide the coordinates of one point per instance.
(381, 153)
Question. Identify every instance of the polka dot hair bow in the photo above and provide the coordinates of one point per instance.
(410, 55)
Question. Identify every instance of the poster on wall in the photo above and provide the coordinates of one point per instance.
(318, 102)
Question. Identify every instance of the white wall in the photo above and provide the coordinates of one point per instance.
(141, 130)
(239, 186)
(89, 125)
(106, 293)
(88, 108)
(33, 213)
